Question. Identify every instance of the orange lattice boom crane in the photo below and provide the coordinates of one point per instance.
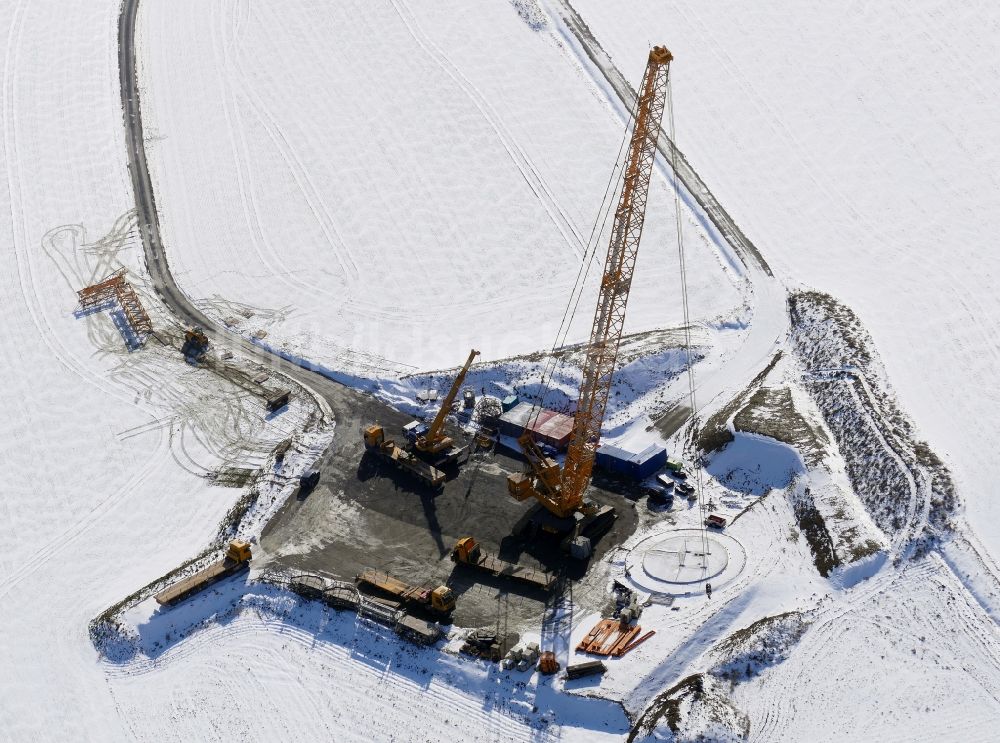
(435, 440)
(561, 490)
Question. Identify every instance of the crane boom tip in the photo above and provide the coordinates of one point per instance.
(660, 55)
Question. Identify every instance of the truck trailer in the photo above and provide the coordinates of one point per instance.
(467, 551)
(439, 601)
(396, 456)
(236, 559)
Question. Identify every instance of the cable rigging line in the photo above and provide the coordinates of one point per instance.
(687, 314)
(590, 253)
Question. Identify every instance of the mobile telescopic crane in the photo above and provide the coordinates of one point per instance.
(560, 489)
(434, 443)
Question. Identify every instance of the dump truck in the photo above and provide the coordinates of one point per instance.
(396, 456)
(236, 559)
(467, 551)
(439, 601)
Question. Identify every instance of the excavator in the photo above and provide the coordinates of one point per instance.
(560, 489)
(432, 443)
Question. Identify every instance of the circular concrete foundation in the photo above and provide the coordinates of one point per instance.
(677, 562)
(685, 558)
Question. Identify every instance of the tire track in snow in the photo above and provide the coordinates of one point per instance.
(69, 536)
(518, 156)
(314, 201)
(37, 310)
(378, 676)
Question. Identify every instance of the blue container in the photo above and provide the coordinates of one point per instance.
(648, 461)
(612, 459)
(623, 462)
(509, 402)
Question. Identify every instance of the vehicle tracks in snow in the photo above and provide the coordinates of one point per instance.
(522, 161)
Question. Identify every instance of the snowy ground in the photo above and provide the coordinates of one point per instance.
(856, 147)
(104, 450)
(409, 175)
(387, 186)
(280, 669)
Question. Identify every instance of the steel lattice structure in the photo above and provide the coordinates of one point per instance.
(562, 493)
(117, 286)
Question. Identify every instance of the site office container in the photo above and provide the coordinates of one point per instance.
(637, 465)
(648, 461)
(555, 431)
(514, 420)
(549, 426)
(508, 403)
(612, 459)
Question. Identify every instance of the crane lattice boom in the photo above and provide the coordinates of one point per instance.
(435, 440)
(609, 318)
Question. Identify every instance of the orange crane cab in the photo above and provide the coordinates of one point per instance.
(561, 490)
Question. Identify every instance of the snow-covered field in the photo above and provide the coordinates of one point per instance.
(281, 670)
(101, 448)
(378, 187)
(104, 451)
(390, 185)
(856, 145)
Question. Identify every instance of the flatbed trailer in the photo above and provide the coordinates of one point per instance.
(237, 559)
(448, 458)
(398, 457)
(440, 600)
(468, 552)
(276, 399)
(404, 460)
(418, 630)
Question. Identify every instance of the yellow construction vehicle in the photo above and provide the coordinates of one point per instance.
(236, 559)
(561, 489)
(467, 551)
(433, 443)
(396, 456)
(439, 601)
